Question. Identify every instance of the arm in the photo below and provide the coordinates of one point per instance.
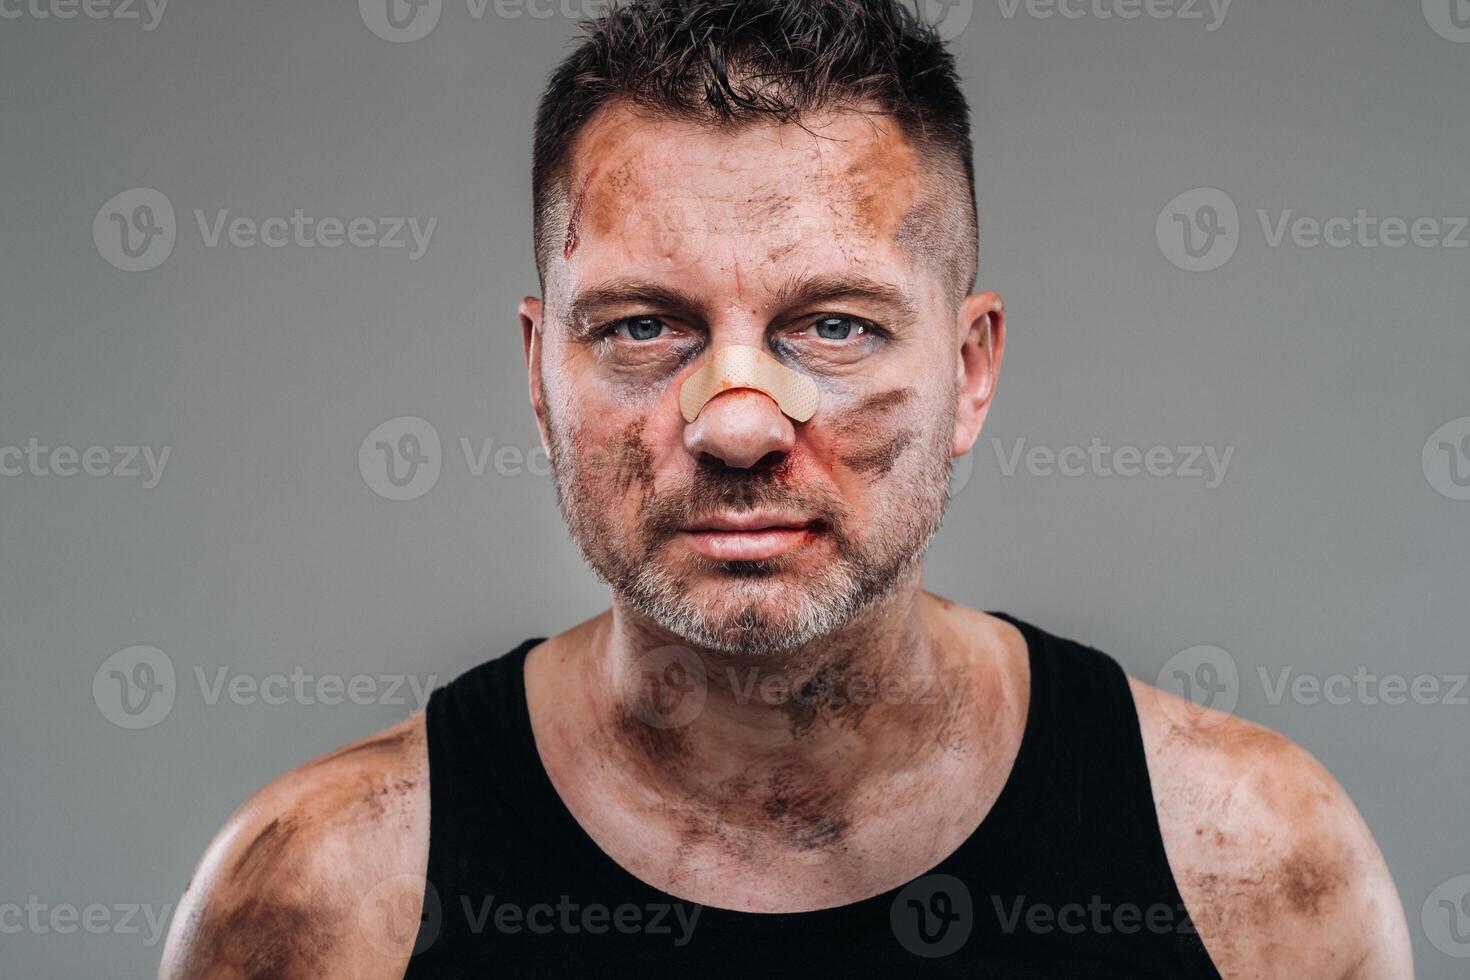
(1278, 870)
(319, 874)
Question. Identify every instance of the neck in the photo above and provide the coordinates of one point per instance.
(793, 748)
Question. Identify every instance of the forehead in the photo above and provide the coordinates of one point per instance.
(652, 194)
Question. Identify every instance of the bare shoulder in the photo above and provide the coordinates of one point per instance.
(1279, 872)
(319, 874)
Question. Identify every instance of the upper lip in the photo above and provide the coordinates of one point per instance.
(752, 521)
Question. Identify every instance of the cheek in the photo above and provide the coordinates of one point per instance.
(619, 455)
(869, 436)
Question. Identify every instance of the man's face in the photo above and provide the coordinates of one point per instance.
(744, 531)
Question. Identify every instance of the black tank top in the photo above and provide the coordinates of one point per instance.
(1065, 877)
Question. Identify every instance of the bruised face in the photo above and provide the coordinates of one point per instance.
(745, 531)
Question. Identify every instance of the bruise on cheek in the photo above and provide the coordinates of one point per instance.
(872, 446)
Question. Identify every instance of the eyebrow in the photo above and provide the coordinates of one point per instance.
(812, 290)
(589, 305)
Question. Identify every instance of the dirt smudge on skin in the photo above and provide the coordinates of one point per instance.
(630, 459)
(872, 446)
(261, 939)
(1307, 881)
(779, 252)
(807, 815)
(263, 852)
(859, 418)
(880, 459)
(828, 696)
(662, 749)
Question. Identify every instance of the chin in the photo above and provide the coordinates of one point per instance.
(749, 612)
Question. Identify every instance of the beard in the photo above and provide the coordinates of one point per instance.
(761, 608)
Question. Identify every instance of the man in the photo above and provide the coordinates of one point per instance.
(755, 354)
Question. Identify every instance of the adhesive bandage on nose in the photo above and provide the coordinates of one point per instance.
(749, 367)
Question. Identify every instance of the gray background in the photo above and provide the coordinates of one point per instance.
(265, 550)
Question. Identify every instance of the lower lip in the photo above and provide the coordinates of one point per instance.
(747, 545)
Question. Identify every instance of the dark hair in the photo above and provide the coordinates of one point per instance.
(732, 62)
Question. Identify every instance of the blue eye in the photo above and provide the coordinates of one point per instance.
(837, 327)
(639, 327)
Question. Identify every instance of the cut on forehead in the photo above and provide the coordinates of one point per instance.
(891, 185)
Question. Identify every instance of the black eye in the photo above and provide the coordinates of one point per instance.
(837, 327)
(639, 327)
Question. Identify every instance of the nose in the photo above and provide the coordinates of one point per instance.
(740, 427)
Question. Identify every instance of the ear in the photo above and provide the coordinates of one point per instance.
(531, 311)
(981, 330)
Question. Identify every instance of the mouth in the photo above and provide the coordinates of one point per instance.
(748, 537)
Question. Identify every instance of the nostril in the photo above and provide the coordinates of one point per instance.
(770, 460)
